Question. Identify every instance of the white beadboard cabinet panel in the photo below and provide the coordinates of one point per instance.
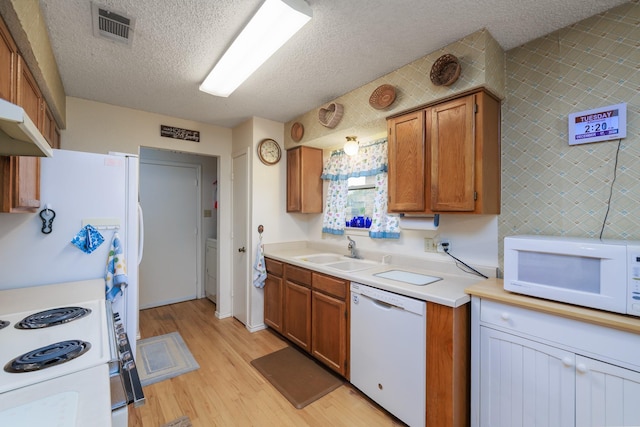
(524, 383)
(606, 395)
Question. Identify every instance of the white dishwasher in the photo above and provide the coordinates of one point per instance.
(388, 351)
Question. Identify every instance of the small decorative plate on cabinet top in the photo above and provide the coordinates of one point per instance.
(297, 131)
(382, 97)
(445, 71)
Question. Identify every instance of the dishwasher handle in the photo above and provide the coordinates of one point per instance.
(381, 304)
(385, 299)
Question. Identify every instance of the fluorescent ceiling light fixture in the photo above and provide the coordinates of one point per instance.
(273, 24)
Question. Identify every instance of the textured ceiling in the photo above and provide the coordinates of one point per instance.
(347, 44)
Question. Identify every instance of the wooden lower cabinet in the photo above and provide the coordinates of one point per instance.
(310, 310)
(317, 319)
(297, 319)
(448, 365)
(297, 306)
(274, 295)
(329, 322)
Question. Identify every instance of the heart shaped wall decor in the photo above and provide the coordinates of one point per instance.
(330, 115)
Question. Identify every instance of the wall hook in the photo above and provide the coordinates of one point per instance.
(47, 215)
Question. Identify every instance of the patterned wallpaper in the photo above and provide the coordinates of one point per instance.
(482, 64)
(549, 187)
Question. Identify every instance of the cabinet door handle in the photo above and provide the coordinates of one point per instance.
(505, 316)
(582, 368)
(567, 361)
(242, 249)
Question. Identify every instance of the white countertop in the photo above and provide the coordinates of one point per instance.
(449, 291)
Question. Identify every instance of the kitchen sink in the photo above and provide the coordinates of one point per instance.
(352, 265)
(338, 262)
(322, 258)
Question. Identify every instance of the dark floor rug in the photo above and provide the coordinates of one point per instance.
(298, 377)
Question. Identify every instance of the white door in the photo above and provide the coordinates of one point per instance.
(169, 195)
(240, 249)
(524, 383)
(606, 395)
(211, 270)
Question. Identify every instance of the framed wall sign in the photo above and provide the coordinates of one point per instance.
(179, 133)
(599, 124)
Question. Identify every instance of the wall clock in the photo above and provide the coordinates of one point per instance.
(269, 152)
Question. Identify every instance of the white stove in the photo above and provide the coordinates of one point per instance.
(74, 392)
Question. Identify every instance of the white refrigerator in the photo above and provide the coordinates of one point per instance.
(80, 188)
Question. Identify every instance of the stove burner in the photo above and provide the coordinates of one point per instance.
(46, 357)
(52, 317)
(3, 324)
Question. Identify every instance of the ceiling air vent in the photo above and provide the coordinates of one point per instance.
(112, 25)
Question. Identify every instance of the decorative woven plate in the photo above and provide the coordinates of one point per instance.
(382, 97)
(330, 115)
(297, 131)
(445, 70)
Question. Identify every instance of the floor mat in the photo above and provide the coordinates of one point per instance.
(162, 357)
(298, 377)
(179, 422)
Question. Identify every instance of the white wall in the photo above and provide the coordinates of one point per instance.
(473, 238)
(100, 128)
(268, 203)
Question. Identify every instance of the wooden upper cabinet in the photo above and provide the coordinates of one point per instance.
(49, 129)
(19, 184)
(29, 96)
(8, 64)
(21, 175)
(449, 162)
(451, 146)
(407, 163)
(304, 186)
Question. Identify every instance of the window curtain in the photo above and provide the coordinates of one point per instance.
(371, 160)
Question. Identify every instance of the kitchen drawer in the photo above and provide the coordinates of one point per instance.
(274, 267)
(330, 285)
(298, 275)
(580, 337)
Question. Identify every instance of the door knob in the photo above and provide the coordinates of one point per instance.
(242, 249)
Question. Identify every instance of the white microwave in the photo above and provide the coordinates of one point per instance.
(602, 274)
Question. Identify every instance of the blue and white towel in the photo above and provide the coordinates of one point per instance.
(88, 239)
(259, 269)
(115, 275)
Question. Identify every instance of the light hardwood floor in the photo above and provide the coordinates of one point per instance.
(227, 390)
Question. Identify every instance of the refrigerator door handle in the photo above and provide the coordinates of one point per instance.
(140, 233)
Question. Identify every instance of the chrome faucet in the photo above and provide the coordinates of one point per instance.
(352, 248)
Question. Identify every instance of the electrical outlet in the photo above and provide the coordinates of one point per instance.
(430, 244)
(444, 242)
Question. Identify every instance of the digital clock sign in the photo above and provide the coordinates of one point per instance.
(600, 124)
